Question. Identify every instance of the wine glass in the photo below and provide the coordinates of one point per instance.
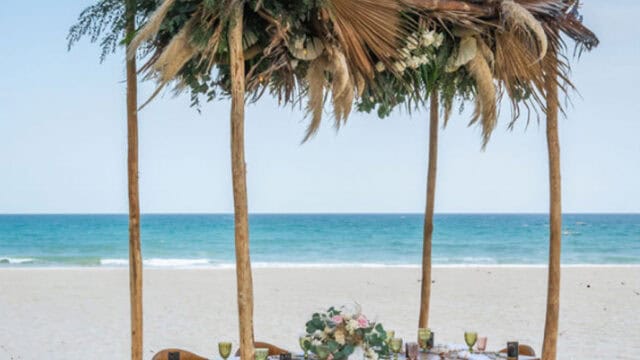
(482, 343)
(470, 337)
(413, 349)
(262, 353)
(396, 347)
(390, 335)
(305, 345)
(224, 348)
(423, 337)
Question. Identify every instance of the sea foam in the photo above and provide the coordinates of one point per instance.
(8, 260)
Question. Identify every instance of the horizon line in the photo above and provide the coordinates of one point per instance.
(323, 213)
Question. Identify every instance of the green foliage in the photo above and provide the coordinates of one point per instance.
(414, 87)
(104, 23)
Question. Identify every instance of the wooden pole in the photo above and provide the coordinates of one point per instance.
(241, 212)
(425, 294)
(135, 256)
(549, 347)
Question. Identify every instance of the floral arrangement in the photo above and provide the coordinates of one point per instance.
(341, 332)
(375, 54)
(421, 49)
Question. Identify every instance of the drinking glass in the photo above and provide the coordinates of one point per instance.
(224, 348)
(390, 335)
(482, 343)
(413, 349)
(262, 353)
(470, 337)
(423, 337)
(305, 345)
(513, 350)
(396, 347)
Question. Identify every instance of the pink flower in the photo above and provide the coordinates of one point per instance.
(362, 321)
(330, 357)
(336, 319)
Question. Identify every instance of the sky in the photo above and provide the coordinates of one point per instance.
(63, 139)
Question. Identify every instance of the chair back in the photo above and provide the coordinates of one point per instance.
(273, 350)
(522, 350)
(176, 354)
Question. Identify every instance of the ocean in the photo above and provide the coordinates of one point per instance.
(316, 240)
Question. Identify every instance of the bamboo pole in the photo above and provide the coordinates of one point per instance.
(135, 256)
(549, 347)
(425, 294)
(241, 212)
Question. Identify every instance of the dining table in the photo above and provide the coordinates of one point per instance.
(454, 352)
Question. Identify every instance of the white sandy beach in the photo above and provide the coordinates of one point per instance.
(84, 313)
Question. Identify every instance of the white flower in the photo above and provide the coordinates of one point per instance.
(428, 38)
(352, 325)
(294, 63)
(424, 59)
(413, 62)
(438, 40)
(380, 67)
(316, 342)
(318, 334)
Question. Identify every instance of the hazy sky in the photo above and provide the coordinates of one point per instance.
(63, 138)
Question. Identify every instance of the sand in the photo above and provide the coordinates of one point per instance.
(84, 313)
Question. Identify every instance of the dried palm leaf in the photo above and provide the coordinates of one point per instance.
(451, 7)
(177, 53)
(486, 96)
(368, 26)
(486, 51)
(315, 79)
(465, 52)
(360, 84)
(167, 65)
(516, 68)
(306, 49)
(150, 29)
(518, 17)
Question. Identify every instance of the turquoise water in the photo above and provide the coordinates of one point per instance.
(320, 240)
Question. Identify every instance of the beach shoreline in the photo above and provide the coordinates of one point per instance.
(76, 313)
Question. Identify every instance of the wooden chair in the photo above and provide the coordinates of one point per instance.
(273, 350)
(183, 355)
(522, 350)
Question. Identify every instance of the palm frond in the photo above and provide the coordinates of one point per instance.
(368, 27)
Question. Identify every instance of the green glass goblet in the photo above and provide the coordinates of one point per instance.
(470, 337)
(224, 348)
(396, 347)
(305, 345)
(262, 353)
(390, 335)
(423, 337)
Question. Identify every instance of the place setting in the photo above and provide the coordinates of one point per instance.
(347, 334)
